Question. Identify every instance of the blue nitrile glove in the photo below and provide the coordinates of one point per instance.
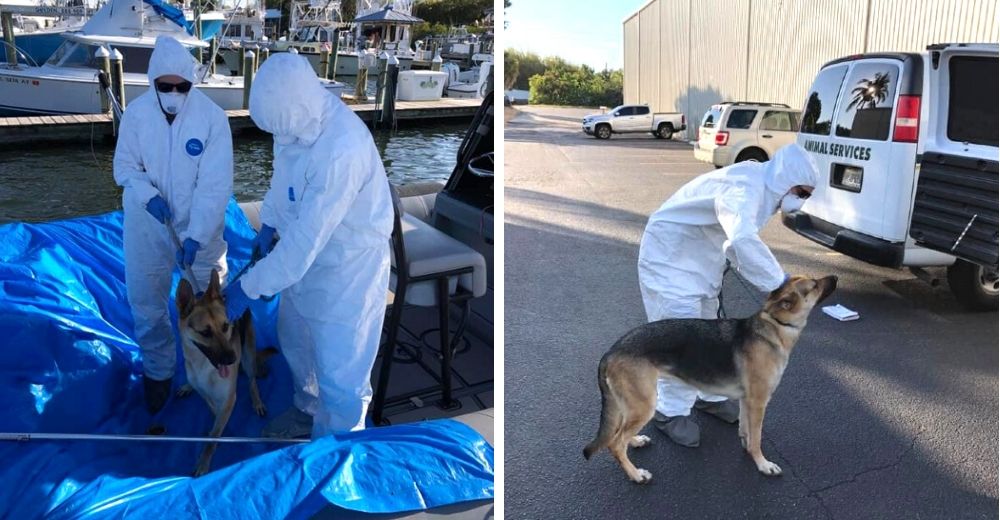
(158, 208)
(264, 243)
(237, 301)
(185, 256)
(787, 277)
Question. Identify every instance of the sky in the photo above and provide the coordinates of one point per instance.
(585, 32)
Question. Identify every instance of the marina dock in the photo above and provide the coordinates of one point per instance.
(19, 131)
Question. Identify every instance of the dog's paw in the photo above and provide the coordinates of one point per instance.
(260, 409)
(640, 441)
(185, 391)
(769, 468)
(643, 476)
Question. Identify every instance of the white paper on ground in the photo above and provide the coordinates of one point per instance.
(840, 312)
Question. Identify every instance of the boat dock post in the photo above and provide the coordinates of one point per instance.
(104, 60)
(247, 77)
(7, 20)
(265, 53)
(214, 50)
(323, 68)
(336, 51)
(117, 84)
(361, 84)
(389, 92)
(436, 62)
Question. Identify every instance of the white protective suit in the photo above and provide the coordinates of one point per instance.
(719, 215)
(329, 201)
(190, 164)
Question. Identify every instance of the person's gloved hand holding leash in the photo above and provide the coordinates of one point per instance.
(158, 208)
(187, 252)
(237, 301)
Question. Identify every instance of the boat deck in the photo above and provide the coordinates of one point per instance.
(17, 131)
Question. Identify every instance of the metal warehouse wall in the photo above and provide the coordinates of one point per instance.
(685, 55)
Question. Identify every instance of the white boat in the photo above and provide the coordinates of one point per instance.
(473, 83)
(67, 83)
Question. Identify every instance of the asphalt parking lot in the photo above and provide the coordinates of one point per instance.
(890, 416)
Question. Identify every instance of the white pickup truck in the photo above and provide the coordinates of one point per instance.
(627, 119)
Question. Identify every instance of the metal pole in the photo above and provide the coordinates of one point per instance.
(104, 59)
(215, 49)
(24, 437)
(7, 20)
(247, 78)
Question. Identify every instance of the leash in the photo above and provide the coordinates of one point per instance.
(187, 270)
(721, 313)
(25, 437)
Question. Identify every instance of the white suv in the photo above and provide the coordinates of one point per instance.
(732, 132)
(907, 147)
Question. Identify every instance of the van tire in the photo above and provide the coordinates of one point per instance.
(665, 131)
(974, 286)
(752, 154)
(603, 131)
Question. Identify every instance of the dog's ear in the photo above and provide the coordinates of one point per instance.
(213, 287)
(775, 294)
(184, 298)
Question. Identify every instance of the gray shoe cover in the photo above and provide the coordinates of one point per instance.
(291, 424)
(728, 410)
(681, 429)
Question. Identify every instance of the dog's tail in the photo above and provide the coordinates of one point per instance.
(611, 417)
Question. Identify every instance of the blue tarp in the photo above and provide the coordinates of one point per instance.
(68, 364)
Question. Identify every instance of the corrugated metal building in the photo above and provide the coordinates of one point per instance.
(685, 55)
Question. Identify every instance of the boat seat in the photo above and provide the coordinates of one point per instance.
(429, 268)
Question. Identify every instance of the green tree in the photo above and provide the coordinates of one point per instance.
(451, 12)
(348, 10)
(529, 64)
(510, 70)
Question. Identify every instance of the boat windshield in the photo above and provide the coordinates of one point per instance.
(74, 54)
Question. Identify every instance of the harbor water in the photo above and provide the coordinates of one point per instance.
(48, 183)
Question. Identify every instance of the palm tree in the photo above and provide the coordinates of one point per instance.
(870, 92)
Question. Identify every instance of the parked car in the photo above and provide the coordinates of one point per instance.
(627, 119)
(906, 144)
(737, 131)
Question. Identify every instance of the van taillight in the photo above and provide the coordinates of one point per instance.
(907, 119)
(722, 138)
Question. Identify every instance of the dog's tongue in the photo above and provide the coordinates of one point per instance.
(223, 371)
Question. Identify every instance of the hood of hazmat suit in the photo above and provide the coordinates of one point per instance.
(190, 164)
(330, 203)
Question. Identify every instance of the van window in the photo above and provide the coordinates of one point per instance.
(711, 117)
(641, 111)
(867, 106)
(972, 100)
(822, 98)
(777, 120)
(741, 119)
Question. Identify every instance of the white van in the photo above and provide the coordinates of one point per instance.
(906, 144)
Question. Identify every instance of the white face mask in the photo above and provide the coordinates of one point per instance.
(791, 203)
(172, 101)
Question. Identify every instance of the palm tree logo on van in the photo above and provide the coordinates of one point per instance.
(870, 92)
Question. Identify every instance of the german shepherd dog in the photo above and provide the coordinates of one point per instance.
(212, 349)
(740, 359)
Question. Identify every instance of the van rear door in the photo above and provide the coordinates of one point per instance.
(955, 205)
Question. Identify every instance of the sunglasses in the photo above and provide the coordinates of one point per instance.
(166, 88)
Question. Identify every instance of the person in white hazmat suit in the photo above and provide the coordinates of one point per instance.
(330, 205)
(683, 254)
(174, 159)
